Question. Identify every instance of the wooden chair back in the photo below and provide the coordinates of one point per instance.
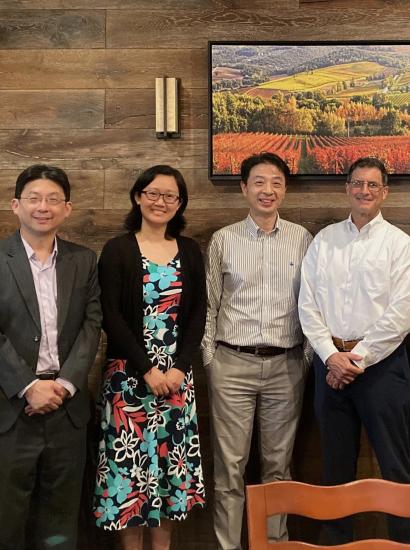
(318, 502)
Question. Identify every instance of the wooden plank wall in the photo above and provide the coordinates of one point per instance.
(77, 90)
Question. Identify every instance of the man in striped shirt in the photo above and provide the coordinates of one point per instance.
(253, 343)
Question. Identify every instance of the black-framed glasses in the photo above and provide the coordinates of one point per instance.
(36, 200)
(169, 198)
(371, 185)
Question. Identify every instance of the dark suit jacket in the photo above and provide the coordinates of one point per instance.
(79, 318)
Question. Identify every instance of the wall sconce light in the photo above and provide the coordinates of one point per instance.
(166, 108)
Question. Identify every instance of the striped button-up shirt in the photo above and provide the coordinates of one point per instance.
(253, 280)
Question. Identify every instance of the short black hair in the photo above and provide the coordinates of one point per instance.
(42, 172)
(264, 158)
(369, 162)
(133, 220)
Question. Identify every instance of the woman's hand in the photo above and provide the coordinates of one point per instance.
(158, 382)
(174, 377)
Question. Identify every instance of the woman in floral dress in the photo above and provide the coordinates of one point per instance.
(154, 305)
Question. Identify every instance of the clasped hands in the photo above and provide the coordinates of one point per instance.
(341, 369)
(45, 396)
(164, 383)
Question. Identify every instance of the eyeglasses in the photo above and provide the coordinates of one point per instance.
(169, 198)
(371, 185)
(36, 200)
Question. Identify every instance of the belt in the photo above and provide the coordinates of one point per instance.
(48, 375)
(345, 345)
(260, 351)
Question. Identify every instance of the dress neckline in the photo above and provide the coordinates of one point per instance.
(170, 262)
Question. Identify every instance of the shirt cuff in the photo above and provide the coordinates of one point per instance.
(67, 385)
(325, 350)
(307, 352)
(23, 391)
(207, 356)
(360, 349)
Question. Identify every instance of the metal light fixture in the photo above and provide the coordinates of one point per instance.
(166, 108)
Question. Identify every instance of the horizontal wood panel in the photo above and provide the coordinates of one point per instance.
(87, 188)
(396, 205)
(52, 29)
(136, 108)
(90, 228)
(320, 4)
(72, 69)
(192, 29)
(52, 109)
(8, 223)
(116, 4)
(119, 182)
(315, 219)
(398, 215)
(94, 227)
(200, 188)
(203, 194)
(201, 224)
(98, 149)
(265, 4)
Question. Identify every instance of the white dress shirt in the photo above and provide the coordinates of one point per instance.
(356, 285)
(253, 280)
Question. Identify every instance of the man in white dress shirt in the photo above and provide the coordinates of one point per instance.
(252, 346)
(354, 306)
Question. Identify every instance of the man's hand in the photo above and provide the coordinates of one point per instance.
(333, 383)
(62, 391)
(174, 377)
(158, 382)
(341, 367)
(44, 396)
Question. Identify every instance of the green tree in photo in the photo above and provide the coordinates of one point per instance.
(330, 124)
(391, 125)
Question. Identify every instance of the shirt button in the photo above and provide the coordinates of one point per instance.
(36, 338)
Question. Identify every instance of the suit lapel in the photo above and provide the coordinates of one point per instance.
(66, 271)
(20, 267)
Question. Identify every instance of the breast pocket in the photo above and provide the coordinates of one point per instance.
(376, 276)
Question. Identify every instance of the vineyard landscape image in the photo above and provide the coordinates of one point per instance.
(319, 106)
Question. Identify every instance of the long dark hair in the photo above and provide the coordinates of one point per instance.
(133, 219)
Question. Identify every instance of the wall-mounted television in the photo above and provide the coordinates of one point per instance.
(319, 106)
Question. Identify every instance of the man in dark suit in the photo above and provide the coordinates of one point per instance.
(49, 331)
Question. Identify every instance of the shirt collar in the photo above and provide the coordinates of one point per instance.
(31, 253)
(369, 227)
(256, 231)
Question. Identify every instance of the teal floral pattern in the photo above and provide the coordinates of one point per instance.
(149, 458)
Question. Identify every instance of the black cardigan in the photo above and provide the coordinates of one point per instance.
(120, 274)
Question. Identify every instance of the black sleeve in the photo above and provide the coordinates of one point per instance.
(113, 277)
(194, 323)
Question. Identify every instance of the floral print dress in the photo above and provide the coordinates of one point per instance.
(149, 458)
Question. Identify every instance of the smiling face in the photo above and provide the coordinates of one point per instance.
(41, 219)
(264, 190)
(158, 212)
(365, 203)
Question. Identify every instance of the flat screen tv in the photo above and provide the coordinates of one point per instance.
(319, 106)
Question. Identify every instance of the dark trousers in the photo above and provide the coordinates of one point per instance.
(42, 463)
(380, 399)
